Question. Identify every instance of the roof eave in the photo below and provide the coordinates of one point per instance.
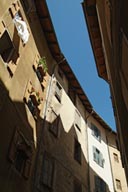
(95, 38)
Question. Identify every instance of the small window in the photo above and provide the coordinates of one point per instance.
(100, 185)
(116, 159)
(33, 99)
(54, 126)
(47, 171)
(77, 186)
(6, 47)
(33, 107)
(77, 151)
(98, 157)
(20, 154)
(58, 92)
(96, 132)
(78, 120)
(118, 184)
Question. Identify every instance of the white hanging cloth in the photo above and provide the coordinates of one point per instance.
(21, 28)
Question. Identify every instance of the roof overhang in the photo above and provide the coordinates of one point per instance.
(90, 12)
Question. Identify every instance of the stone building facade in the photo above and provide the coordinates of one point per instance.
(108, 31)
(44, 113)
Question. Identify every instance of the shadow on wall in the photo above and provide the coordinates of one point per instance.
(17, 145)
(62, 165)
(61, 151)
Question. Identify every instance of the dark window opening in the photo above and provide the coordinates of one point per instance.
(100, 185)
(20, 154)
(96, 132)
(58, 91)
(20, 160)
(6, 47)
(54, 126)
(31, 106)
(40, 77)
(77, 151)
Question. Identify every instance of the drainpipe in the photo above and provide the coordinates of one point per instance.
(43, 124)
(86, 120)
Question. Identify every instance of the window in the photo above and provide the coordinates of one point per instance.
(31, 105)
(116, 159)
(100, 185)
(77, 186)
(54, 127)
(58, 91)
(118, 184)
(33, 100)
(6, 47)
(96, 132)
(77, 151)
(98, 157)
(20, 154)
(47, 171)
(77, 120)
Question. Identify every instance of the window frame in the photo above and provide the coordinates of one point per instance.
(96, 132)
(116, 157)
(54, 125)
(98, 157)
(77, 151)
(20, 144)
(58, 91)
(118, 184)
(12, 46)
(100, 185)
(77, 120)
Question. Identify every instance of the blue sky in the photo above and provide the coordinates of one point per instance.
(70, 27)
